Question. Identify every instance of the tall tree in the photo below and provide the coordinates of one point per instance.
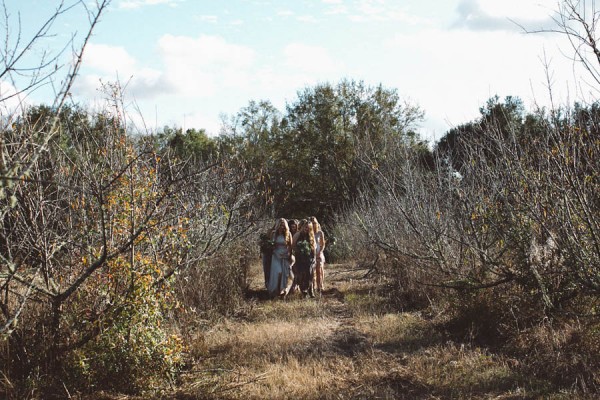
(326, 132)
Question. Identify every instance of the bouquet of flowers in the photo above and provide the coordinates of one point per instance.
(303, 248)
(266, 243)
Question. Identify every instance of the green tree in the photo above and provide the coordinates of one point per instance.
(329, 143)
(193, 145)
(504, 117)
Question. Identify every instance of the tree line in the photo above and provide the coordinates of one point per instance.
(109, 232)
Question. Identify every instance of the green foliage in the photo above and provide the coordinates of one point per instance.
(94, 240)
(134, 352)
(504, 117)
(303, 248)
(324, 150)
(194, 145)
(266, 243)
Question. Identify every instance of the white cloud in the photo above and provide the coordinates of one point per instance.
(307, 18)
(337, 10)
(105, 63)
(455, 72)
(285, 13)
(109, 59)
(510, 15)
(311, 59)
(382, 10)
(526, 9)
(213, 19)
(133, 4)
(333, 1)
(201, 66)
(11, 104)
(200, 120)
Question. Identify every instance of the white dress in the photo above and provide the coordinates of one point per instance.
(320, 256)
(280, 267)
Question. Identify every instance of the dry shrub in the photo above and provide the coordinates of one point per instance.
(275, 352)
(433, 367)
(207, 292)
(216, 286)
(550, 345)
(22, 354)
(390, 284)
(565, 353)
(438, 372)
(403, 281)
(491, 317)
(347, 242)
(354, 348)
(364, 297)
(134, 351)
(408, 286)
(289, 311)
(290, 378)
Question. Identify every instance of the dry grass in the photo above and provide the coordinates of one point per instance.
(399, 333)
(347, 344)
(269, 341)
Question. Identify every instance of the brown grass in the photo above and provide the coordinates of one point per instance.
(348, 344)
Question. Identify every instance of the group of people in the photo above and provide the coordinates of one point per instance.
(293, 259)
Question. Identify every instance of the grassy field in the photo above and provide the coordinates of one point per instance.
(345, 344)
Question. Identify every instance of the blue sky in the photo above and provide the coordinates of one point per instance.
(188, 62)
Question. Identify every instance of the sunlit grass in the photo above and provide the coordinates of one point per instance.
(267, 341)
(399, 332)
(349, 344)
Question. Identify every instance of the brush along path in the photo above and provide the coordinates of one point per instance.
(345, 344)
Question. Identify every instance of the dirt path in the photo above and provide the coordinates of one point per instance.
(344, 344)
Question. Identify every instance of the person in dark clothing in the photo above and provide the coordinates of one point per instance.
(304, 250)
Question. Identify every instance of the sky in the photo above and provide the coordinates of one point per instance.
(189, 63)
